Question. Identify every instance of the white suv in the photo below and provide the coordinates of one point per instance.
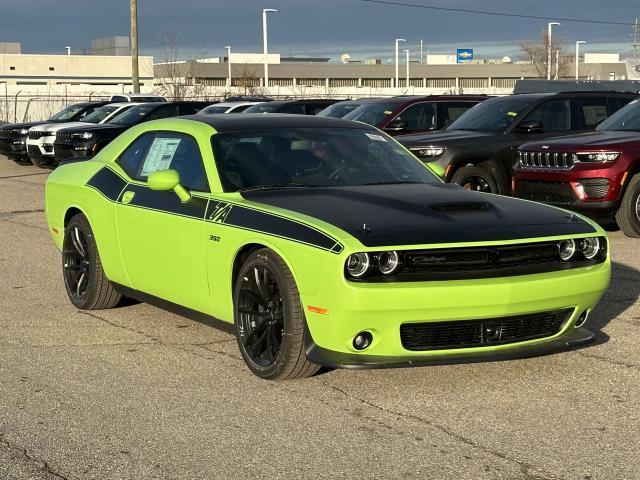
(40, 138)
(137, 97)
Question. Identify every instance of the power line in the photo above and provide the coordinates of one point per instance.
(499, 14)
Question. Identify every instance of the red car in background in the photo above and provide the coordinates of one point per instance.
(413, 114)
(596, 173)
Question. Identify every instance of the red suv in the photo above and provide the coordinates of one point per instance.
(595, 173)
(413, 114)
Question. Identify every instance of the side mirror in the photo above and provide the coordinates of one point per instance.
(437, 169)
(396, 126)
(530, 127)
(165, 180)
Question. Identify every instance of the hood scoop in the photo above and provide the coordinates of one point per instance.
(459, 208)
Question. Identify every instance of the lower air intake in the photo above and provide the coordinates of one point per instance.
(479, 333)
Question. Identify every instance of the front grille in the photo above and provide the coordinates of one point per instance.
(63, 137)
(595, 187)
(5, 133)
(546, 160)
(486, 332)
(35, 134)
(33, 150)
(548, 192)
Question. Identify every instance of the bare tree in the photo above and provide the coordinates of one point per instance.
(536, 53)
(247, 83)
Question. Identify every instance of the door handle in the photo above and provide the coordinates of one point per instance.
(127, 197)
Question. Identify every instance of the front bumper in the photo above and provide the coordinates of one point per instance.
(381, 309)
(14, 148)
(62, 151)
(41, 150)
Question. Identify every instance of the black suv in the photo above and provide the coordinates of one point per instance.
(13, 136)
(299, 107)
(88, 140)
(479, 149)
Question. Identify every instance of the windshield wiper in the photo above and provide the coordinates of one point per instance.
(274, 186)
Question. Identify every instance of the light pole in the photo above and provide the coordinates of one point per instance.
(421, 51)
(557, 64)
(407, 54)
(398, 40)
(549, 25)
(68, 50)
(578, 57)
(228, 66)
(264, 43)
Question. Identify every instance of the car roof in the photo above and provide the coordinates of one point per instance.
(258, 121)
(233, 104)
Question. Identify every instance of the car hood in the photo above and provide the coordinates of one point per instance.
(92, 127)
(445, 137)
(54, 127)
(584, 140)
(414, 214)
(18, 126)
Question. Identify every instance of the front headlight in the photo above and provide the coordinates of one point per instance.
(590, 247)
(428, 151)
(595, 156)
(83, 135)
(23, 131)
(358, 264)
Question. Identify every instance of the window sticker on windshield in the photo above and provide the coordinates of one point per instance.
(160, 155)
(512, 114)
(377, 138)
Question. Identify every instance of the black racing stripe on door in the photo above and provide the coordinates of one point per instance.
(166, 201)
(270, 224)
(108, 183)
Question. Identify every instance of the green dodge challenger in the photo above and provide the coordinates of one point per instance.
(320, 241)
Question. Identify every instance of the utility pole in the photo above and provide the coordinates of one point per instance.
(549, 25)
(135, 73)
(634, 38)
(398, 40)
(578, 58)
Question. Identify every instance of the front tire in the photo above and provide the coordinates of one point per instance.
(87, 286)
(22, 161)
(476, 178)
(269, 319)
(628, 215)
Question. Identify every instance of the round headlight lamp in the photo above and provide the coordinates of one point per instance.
(566, 249)
(590, 247)
(358, 264)
(388, 262)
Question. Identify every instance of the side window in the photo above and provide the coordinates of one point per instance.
(616, 104)
(450, 111)
(162, 151)
(118, 98)
(313, 109)
(554, 115)
(165, 111)
(419, 117)
(591, 110)
(297, 108)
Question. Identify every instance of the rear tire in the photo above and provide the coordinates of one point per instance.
(628, 215)
(269, 320)
(476, 178)
(87, 286)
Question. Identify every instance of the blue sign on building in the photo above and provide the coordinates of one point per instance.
(464, 54)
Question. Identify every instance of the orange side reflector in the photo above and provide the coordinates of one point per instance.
(321, 311)
(624, 177)
(55, 230)
(446, 170)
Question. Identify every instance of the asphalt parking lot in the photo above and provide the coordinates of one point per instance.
(136, 392)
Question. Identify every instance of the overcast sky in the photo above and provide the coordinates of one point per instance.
(308, 27)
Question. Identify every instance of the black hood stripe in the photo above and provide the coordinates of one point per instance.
(112, 186)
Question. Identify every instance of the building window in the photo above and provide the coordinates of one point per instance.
(12, 68)
(51, 69)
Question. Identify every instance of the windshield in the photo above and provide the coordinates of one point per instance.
(99, 114)
(372, 113)
(627, 118)
(133, 115)
(214, 109)
(262, 108)
(68, 113)
(338, 110)
(493, 115)
(314, 157)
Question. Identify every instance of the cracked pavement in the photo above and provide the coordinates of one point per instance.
(137, 392)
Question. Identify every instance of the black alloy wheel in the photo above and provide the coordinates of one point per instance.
(475, 178)
(261, 315)
(269, 320)
(75, 263)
